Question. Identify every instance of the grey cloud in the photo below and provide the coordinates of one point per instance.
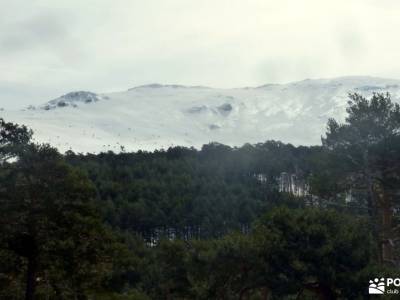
(49, 47)
(39, 30)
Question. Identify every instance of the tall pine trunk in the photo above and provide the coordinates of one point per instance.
(265, 293)
(31, 278)
(386, 220)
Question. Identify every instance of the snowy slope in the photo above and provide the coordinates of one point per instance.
(158, 116)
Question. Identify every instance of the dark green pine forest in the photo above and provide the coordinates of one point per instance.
(261, 221)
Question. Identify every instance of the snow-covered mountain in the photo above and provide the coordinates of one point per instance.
(158, 116)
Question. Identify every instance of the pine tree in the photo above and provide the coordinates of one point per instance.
(49, 223)
(367, 145)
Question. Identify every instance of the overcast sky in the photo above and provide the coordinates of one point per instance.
(48, 47)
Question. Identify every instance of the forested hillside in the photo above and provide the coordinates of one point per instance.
(216, 223)
(190, 193)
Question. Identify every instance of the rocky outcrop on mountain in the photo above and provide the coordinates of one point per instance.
(72, 99)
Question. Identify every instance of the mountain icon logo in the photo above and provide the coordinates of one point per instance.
(376, 286)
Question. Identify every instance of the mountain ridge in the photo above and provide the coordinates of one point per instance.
(158, 116)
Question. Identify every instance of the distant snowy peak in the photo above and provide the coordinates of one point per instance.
(73, 99)
(360, 83)
(172, 86)
(158, 116)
